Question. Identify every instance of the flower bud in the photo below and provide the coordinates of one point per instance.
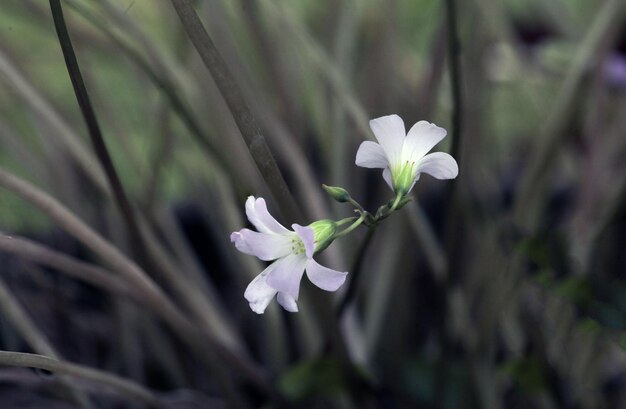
(338, 193)
(324, 233)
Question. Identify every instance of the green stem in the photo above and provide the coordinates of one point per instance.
(354, 225)
(357, 205)
(395, 203)
(344, 221)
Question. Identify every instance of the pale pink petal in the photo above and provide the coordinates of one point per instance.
(439, 165)
(256, 210)
(307, 235)
(371, 155)
(235, 237)
(258, 293)
(422, 137)
(324, 277)
(389, 131)
(287, 273)
(288, 302)
(265, 246)
(387, 177)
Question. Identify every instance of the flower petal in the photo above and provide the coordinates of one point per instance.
(256, 210)
(422, 137)
(389, 131)
(324, 277)
(307, 235)
(258, 293)
(266, 246)
(286, 274)
(387, 177)
(287, 301)
(440, 165)
(371, 155)
(235, 237)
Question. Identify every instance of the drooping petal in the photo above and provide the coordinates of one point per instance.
(324, 277)
(288, 302)
(387, 177)
(287, 273)
(439, 165)
(422, 137)
(256, 210)
(266, 246)
(389, 131)
(371, 155)
(307, 235)
(258, 293)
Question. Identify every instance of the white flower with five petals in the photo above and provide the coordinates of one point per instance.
(293, 252)
(404, 156)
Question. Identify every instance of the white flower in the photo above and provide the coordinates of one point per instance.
(293, 252)
(405, 158)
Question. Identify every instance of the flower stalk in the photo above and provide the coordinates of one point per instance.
(354, 225)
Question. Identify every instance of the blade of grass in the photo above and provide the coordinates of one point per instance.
(242, 115)
(454, 70)
(325, 64)
(552, 134)
(95, 133)
(68, 138)
(204, 344)
(24, 154)
(13, 311)
(124, 387)
(205, 312)
(148, 246)
(89, 273)
(137, 238)
(159, 72)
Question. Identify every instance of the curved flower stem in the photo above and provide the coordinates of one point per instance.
(356, 204)
(396, 202)
(355, 272)
(353, 226)
(344, 221)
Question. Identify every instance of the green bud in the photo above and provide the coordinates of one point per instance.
(324, 233)
(338, 193)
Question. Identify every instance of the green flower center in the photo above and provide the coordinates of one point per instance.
(297, 246)
(402, 177)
